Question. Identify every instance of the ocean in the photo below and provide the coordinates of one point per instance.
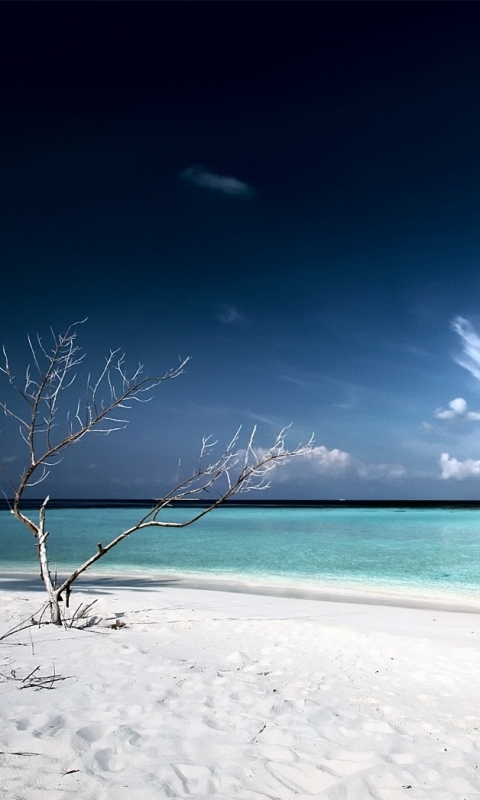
(431, 552)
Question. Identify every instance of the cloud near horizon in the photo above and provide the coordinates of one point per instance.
(452, 468)
(337, 463)
(219, 183)
(332, 461)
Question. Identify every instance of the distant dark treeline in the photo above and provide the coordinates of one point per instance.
(148, 503)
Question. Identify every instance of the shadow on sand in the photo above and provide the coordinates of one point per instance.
(105, 584)
(99, 584)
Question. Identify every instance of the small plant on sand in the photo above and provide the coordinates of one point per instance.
(49, 424)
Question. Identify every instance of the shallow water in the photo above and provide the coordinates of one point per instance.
(434, 550)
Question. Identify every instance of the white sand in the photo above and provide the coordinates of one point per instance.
(210, 694)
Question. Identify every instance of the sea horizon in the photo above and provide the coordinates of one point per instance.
(146, 502)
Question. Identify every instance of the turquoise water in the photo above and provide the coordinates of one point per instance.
(433, 549)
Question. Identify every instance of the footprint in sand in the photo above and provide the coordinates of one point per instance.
(40, 724)
(23, 724)
(109, 760)
(123, 750)
(92, 733)
(50, 727)
(196, 779)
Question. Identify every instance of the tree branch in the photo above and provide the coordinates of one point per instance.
(47, 434)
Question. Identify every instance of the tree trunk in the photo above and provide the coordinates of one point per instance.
(55, 616)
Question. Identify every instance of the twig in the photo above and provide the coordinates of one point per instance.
(24, 624)
(33, 681)
(81, 613)
(258, 734)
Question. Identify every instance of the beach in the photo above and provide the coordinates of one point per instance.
(173, 692)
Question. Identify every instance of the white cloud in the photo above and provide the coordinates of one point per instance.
(452, 468)
(458, 406)
(334, 464)
(320, 459)
(219, 183)
(325, 460)
(337, 461)
(457, 410)
(470, 360)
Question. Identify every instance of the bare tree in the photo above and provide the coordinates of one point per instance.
(48, 429)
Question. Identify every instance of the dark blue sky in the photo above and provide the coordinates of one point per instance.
(288, 193)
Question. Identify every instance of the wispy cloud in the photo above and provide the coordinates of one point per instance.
(457, 410)
(408, 349)
(371, 472)
(453, 468)
(230, 315)
(272, 423)
(296, 381)
(470, 358)
(219, 183)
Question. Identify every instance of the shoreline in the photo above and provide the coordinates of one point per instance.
(394, 596)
